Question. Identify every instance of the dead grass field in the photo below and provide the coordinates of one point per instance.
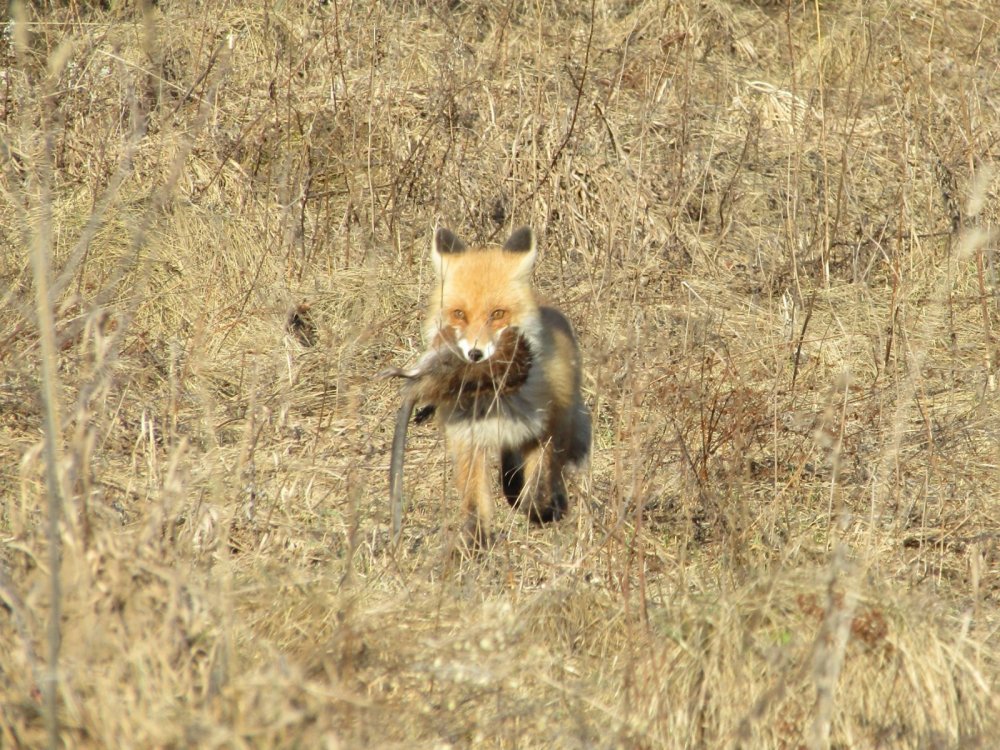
(772, 225)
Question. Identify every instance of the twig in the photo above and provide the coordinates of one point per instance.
(576, 109)
(41, 250)
(802, 336)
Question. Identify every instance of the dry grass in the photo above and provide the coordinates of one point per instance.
(772, 226)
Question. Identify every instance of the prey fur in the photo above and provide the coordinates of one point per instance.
(445, 382)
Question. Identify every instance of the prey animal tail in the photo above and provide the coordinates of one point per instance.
(396, 464)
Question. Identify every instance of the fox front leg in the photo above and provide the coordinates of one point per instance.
(472, 481)
(542, 493)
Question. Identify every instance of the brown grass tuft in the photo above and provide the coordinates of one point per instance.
(773, 225)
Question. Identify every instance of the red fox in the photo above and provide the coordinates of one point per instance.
(503, 375)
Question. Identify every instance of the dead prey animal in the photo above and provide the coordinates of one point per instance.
(443, 381)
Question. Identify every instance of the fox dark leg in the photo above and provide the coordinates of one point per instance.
(543, 494)
(512, 475)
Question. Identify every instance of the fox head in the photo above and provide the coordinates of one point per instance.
(481, 291)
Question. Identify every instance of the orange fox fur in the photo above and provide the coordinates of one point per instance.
(503, 374)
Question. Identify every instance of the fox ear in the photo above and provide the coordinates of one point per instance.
(522, 241)
(445, 242)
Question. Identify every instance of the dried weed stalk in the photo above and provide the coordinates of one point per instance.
(773, 228)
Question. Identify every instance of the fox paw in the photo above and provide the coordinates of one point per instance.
(476, 536)
(547, 511)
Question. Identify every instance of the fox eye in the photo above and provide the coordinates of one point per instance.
(498, 314)
(458, 314)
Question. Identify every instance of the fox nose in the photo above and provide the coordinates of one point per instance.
(475, 355)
